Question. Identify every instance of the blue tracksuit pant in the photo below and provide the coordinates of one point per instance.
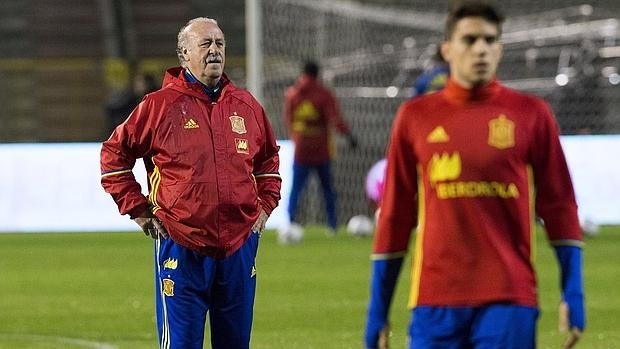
(190, 285)
(300, 176)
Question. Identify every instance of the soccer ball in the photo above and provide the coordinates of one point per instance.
(360, 226)
(291, 234)
(590, 227)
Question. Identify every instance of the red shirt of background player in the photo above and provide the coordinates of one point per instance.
(310, 112)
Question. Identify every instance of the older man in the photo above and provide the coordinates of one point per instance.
(212, 163)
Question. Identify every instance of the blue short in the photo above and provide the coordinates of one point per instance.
(190, 285)
(504, 326)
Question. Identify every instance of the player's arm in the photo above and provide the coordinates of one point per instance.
(335, 118)
(288, 112)
(556, 205)
(571, 312)
(265, 172)
(396, 220)
(129, 141)
(384, 276)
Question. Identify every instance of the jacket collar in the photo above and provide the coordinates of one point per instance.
(455, 93)
(176, 79)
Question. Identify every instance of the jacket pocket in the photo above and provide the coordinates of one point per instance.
(192, 202)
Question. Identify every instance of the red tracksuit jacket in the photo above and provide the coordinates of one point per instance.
(472, 169)
(310, 112)
(211, 165)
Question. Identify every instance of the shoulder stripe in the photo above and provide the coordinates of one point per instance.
(386, 256)
(567, 242)
(114, 173)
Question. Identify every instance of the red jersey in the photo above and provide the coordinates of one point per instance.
(310, 113)
(212, 165)
(471, 169)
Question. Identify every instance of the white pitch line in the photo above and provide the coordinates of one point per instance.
(60, 340)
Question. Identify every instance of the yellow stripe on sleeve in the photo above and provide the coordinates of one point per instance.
(532, 210)
(418, 255)
(154, 179)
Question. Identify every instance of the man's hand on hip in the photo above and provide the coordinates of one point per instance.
(151, 225)
(259, 225)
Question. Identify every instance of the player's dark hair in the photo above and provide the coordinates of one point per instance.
(460, 9)
(311, 68)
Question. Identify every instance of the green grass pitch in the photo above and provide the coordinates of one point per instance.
(96, 291)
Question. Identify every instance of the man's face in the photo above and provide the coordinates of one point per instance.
(205, 52)
(473, 51)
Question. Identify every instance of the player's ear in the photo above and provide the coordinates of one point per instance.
(501, 49)
(445, 50)
(185, 54)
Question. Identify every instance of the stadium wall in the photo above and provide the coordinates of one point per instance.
(55, 187)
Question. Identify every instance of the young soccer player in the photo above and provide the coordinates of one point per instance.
(311, 113)
(471, 167)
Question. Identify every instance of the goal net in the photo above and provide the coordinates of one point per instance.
(370, 56)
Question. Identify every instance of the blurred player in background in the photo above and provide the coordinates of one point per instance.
(212, 162)
(121, 104)
(310, 114)
(471, 166)
(434, 77)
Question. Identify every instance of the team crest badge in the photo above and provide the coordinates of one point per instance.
(501, 132)
(168, 287)
(242, 146)
(237, 124)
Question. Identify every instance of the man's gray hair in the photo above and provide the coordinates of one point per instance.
(182, 36)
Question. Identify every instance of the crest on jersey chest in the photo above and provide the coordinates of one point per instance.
(237, 124)
(501, 132)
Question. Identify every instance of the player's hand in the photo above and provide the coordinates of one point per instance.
(574, 333)
(384, 338)
(259, 225)
(151, 225)
(382, 284)
(352, 141)
(377, 337)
